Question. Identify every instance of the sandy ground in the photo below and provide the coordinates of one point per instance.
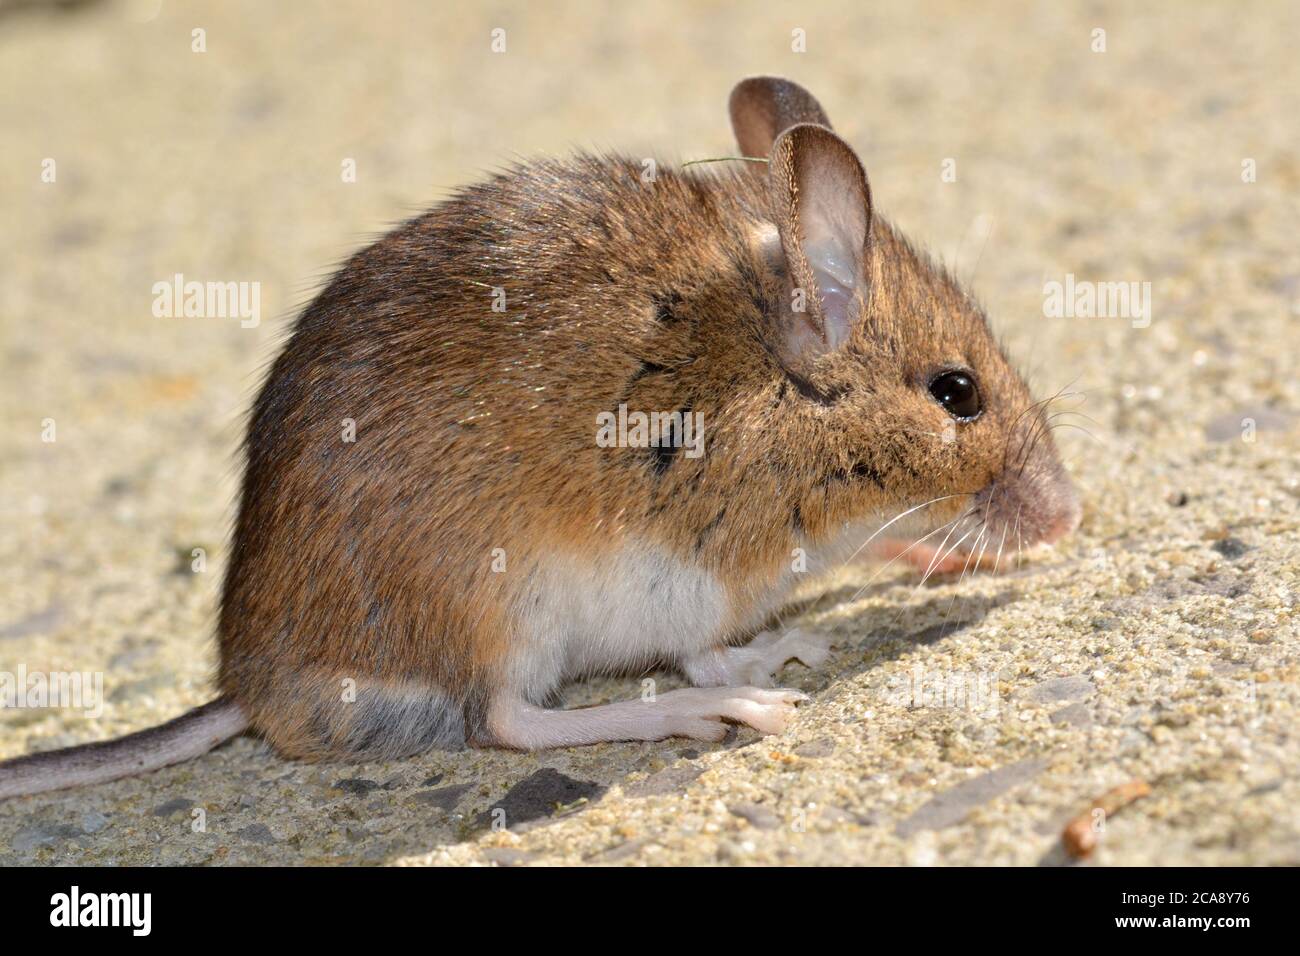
(1158, 644)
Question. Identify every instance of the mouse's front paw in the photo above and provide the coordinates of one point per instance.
(758, 662)
(699, 712)
(774, 649)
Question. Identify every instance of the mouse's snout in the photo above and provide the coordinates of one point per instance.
(1035, 503)
(1067, 516)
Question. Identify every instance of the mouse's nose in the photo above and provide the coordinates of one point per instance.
(1067, 516)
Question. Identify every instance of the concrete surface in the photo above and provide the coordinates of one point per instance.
(1159, 643)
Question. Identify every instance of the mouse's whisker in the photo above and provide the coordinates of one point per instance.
(941, 556)
(967, 566)
(1077, 413)
(916, 590)
(953, 601)
(1041, 406)
(998, 561)
(1045, 429)
(960, 578)
(938, 553)
(899, 517)
(902, 609)
(885, 567)
(987, 541)
(1079, 428)
(1011, 429)
(1020, 541)
(1031, 438)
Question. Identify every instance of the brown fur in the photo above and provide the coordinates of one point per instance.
(371, 561)
(362, 616)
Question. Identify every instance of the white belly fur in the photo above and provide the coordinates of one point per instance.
(639, 609)
(628, 613)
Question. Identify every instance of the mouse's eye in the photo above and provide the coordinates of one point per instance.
(957, 393)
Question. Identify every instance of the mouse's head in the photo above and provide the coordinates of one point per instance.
(904, 394)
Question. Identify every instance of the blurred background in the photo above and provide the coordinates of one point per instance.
(143, 139)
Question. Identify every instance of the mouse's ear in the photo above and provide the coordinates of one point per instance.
(764, 107)
(821, 204)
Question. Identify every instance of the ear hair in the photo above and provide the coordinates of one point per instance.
(821, 205)
(764, 107)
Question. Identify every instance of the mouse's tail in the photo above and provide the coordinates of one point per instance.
(188, 736)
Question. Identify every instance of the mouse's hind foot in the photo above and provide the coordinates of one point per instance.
(695, 712)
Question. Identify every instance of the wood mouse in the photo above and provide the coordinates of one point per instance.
(432, 582)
